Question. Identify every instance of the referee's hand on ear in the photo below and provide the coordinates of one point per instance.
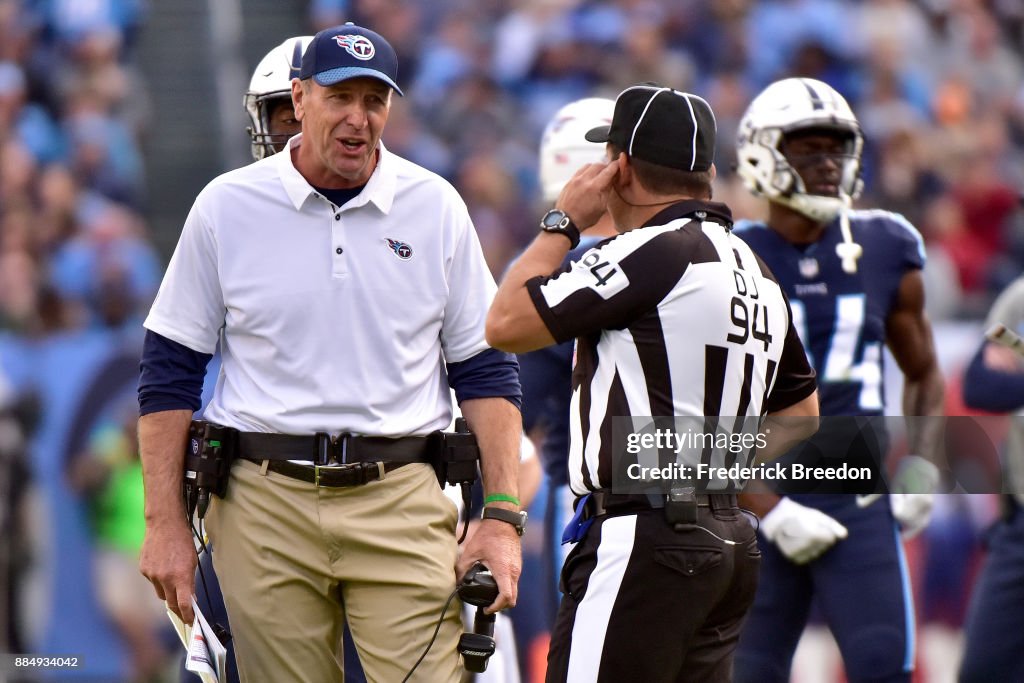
(585, 197)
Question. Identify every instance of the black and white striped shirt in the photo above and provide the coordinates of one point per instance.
(675, 318)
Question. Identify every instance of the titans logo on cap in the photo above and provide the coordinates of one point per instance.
(401, 249)
(359, 47)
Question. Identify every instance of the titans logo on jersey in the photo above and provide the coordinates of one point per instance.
(841, 317)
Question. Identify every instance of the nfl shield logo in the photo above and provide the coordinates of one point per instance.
(809, 267)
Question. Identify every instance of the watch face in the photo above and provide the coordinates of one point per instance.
(552, 219)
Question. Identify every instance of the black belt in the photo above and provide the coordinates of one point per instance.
(604, 502)
(341, 461)
(334, 476)
(322, 448)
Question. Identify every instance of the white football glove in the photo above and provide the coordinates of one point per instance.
(912, 494)
(800, 532)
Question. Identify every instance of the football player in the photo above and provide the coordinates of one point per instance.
(268, 101)
(994, 381)
(854, 282)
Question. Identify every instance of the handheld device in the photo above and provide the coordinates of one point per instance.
(478, 588)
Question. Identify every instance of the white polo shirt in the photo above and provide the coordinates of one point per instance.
(328, 320)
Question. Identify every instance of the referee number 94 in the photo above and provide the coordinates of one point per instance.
(748, 315)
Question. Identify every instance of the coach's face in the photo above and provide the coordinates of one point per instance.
(341, 126)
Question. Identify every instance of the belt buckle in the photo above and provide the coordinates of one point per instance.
(337, 468)
(333, 468)
(363, 470)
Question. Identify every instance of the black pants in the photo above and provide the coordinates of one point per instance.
(644, 602)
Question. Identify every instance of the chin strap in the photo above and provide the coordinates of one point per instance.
(847, 250)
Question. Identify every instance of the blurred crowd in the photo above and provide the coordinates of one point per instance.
(73, 247)
(938, 86)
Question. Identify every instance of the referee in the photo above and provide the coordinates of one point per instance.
(673, 317)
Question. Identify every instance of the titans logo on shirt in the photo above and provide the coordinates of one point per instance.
(401, 249)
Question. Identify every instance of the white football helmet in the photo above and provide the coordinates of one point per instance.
(563, 149)
(272, 80)
(783, 107)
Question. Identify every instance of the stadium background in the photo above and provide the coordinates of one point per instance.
(115, 113)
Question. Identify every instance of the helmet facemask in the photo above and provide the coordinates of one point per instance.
(818, 207)
(271, 83)
(260, 109)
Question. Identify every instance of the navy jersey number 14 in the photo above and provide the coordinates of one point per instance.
(841, 316)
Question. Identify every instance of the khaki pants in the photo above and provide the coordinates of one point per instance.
(295, 561)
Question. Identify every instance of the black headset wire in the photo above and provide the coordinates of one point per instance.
(220, 630)
(437, 629)
(198, 533)
(755, 521)
(467, 501)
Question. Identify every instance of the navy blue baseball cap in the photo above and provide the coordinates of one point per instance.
(349, 51)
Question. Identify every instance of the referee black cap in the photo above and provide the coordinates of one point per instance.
(349, 51)
(663, 126)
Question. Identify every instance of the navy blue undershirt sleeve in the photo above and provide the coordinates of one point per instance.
(170, 375)
(488, 374)
(992, 390)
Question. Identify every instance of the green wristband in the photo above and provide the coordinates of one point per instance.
(501, 498)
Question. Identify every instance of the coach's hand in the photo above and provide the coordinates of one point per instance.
(169, 561)
(800, 532)
(912, 494)
(496, 545)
